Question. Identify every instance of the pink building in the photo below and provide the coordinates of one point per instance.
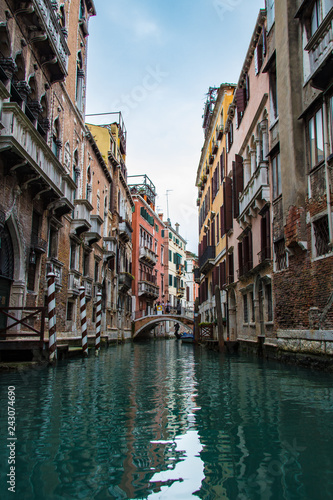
(148, 248)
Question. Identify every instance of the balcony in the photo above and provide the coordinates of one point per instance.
(125, 231)
(98, 288)
(55, 266)
(125, 282)
(244, 270)
(219, 133)
(320, 48)
(147, 255)
(109, 247)
(206, 260)
(73, 283)
(148, 289)
(211, 159)
(180, 292)
(81, 217)
(255, 195)
(38, 244)
(26, 154)
(95, 232)
(197, 274)
(265, 255)
(215, 147)
(88, 285)
(45, 35)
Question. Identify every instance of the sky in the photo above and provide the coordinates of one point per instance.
(154, 61)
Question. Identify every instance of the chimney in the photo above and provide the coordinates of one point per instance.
(177, 227)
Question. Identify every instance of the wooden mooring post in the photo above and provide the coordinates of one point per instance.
(98, 323)
(83, 314)
(51, 306)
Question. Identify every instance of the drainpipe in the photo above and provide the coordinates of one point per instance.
(327, 178)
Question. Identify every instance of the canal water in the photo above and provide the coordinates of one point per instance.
(164, 420)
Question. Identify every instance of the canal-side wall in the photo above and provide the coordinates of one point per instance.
(310, 348)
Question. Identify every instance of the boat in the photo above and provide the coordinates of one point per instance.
(187, 338)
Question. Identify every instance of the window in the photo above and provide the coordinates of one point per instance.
(270, 13)
(273, 100)
(96, 273)
(316, 140)
(321, 235)
(315, 17)
(31, 276)
(70, 311)
(276, 174)
(269, 302)
(85, 264)
(170, 279)
(170, 255)
(245, 309)
(265, 252)
(79, 82)
(56, 142)
(252, 307)
(72, 256)
(280, 255)
(53, 243)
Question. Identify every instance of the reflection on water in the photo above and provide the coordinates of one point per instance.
(163, 420)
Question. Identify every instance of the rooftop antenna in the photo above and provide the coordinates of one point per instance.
(167, 197)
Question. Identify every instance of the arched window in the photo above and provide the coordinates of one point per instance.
(79, 81)
(56, 141)
(43, 125)
(76, 171)
(89, 186)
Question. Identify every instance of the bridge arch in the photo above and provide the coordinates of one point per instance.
(147, 323)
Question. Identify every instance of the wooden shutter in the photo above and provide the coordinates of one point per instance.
(250, 252)
(240, 99)
(222, 164)
(227, 204)
(222, 220)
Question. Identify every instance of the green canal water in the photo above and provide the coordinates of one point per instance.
(164, 420)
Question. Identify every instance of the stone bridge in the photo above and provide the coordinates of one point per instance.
(142, 326)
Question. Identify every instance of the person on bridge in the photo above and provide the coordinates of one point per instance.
(179, 308)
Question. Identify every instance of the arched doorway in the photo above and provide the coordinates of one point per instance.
(6, 270)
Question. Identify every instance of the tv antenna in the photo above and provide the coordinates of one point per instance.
(167, 198)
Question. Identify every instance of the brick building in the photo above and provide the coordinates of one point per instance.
(277, 186)
(64, 206)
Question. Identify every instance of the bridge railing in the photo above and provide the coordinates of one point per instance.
(188, 312)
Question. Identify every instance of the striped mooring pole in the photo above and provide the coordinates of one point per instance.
(98, 323)
(51, 307)
(83, 315)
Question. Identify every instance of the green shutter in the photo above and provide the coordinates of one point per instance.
(170, 280)
(170, 256)
(162, 233)
(175, 281)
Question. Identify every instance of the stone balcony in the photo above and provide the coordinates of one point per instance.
(320, 48)
(125, 282)
(206, 260)
(254, 196)
(73, 283)
(148, 289)
(109, 247)
(45, 34)
(87, 282)
(27, 155)
(81, 217)
(95, 232)
(125, 231)
(147, 255)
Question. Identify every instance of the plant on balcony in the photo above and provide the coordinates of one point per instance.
(129, 275)
(206, 323)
